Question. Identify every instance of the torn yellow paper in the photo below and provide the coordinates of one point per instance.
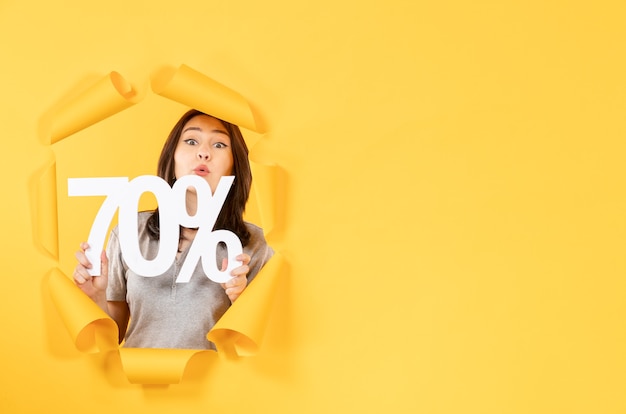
(237, 333)
(107, 97)
(45, 227)
(240, 331)
(156, 366)
(91, 329)
(265, 193)
(196, 90)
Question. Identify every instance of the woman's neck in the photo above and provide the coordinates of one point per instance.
(187, 233)
(191, 201)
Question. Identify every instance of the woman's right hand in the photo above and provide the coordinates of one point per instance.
(93, 286)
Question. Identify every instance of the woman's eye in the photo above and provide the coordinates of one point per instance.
(220, 145)
(190, 141)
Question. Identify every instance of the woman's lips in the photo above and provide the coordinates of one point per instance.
(201, 170)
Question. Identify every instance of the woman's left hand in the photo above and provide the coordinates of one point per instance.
(238, 283)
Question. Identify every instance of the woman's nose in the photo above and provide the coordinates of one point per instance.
(204, 154)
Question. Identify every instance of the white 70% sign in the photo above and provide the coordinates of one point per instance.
(123, 194)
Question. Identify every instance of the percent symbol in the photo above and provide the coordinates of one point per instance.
(206, 241)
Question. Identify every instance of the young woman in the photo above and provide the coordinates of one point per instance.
(163, 313)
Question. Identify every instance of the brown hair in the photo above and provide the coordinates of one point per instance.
(231, 215)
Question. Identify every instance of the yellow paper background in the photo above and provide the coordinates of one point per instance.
(451, 202)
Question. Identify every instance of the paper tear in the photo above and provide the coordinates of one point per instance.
(45, 214)
(265, 193)
(156, 366)
(196, 90)
(91, 329)
(108, 96)
(240, 331)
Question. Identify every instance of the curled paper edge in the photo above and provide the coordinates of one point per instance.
(44, 209)
(140, 365)
(236, 334)
(265, 193)
(240, 331)
(90, 328)
(196, 90)
(108, 96)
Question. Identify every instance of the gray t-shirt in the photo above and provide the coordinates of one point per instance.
(166, 314)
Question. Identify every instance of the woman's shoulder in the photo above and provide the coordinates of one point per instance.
(253, 227)
(256, 232)
(258, 249)
(143, 216)
(257, 236)
(142, 219)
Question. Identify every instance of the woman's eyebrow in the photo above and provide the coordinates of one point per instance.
(192, 128)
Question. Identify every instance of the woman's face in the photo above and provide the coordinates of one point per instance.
(204, 149)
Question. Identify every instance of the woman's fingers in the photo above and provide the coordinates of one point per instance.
(239, 280)
(235, 286)
(104, 264)
(90, 285)
(82, 257)
(80, 277)
(243, 258)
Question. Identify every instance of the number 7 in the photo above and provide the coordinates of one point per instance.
(112, 188)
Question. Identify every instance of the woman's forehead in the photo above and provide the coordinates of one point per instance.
(205, 123)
